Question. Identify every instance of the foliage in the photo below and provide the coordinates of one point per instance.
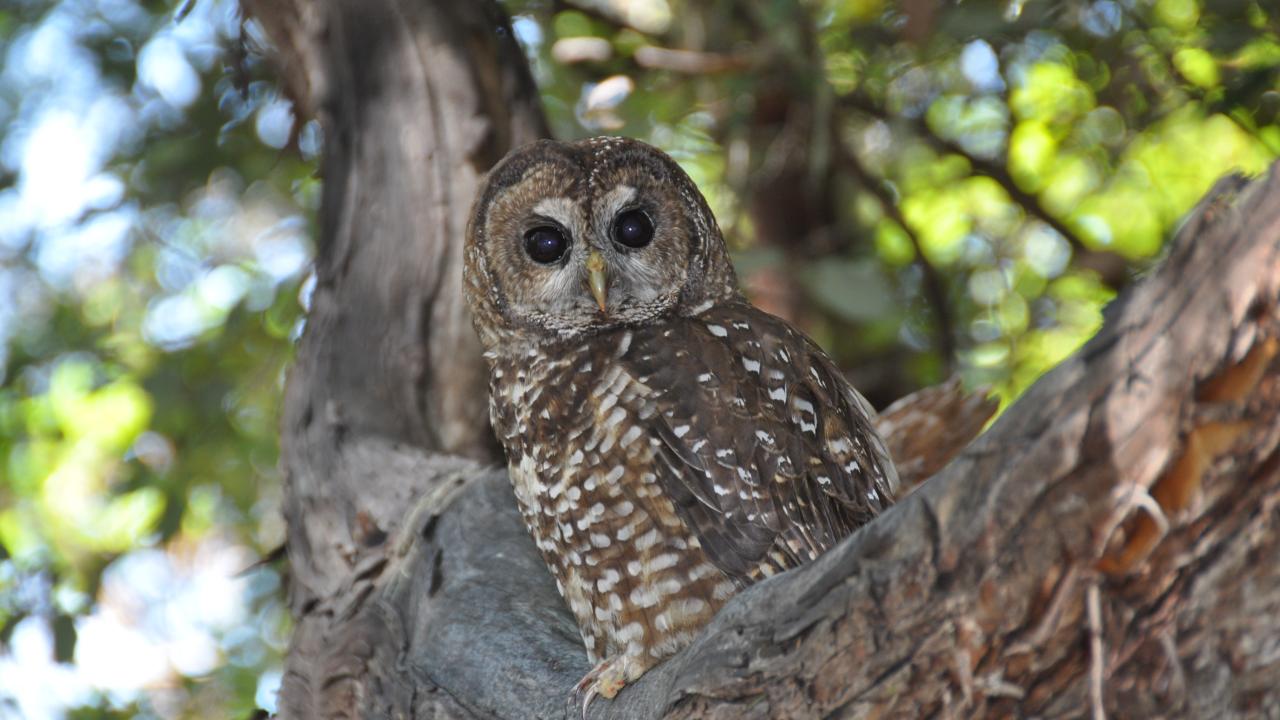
(969, 183)
(152, 244)
(924, 187)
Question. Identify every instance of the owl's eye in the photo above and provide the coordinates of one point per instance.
(633, 229)
(545, 244)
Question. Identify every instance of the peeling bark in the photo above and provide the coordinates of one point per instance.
(1108, 546)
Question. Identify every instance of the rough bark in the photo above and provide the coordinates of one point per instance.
(1108, 545)
(417, 100)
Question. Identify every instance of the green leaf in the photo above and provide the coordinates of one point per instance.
(1198, 67)
(1178, 14)
(1032, 150)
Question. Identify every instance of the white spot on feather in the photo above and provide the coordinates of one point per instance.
(839, 446)
(632, 631)
(663, 561)
(643, 597)
(610, 578)
(648, 540)
(701, 571)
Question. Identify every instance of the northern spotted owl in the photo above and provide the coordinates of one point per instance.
(669, 444)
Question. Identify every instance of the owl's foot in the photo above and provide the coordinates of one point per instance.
(605, 679)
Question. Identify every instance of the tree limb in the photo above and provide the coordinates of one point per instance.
(1140, 480)
(934, 286)
(970, 595)
(1109, 265)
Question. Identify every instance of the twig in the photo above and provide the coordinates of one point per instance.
(1097, 663)
(934, 288)
(1048, 622)
(596, 11)
(648, 57)
(1177, 678)
(1127, 498)
(1109, 266)
(689, 62)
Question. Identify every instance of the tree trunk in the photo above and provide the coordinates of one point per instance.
(1108, 546)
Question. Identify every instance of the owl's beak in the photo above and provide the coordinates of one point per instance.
(596, 278)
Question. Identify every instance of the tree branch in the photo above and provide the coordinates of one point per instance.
(1144, 472)
(417, 100)
(934, 286)
(969, 595)
(1109, 266)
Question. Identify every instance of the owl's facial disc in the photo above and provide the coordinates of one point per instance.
(582, 260)
(569, 239)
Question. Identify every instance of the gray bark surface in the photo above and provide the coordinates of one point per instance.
(1109, 545)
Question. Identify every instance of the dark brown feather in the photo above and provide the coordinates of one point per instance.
(750, 422)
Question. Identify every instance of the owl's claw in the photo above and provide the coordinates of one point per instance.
(605, 680)
(586, 700)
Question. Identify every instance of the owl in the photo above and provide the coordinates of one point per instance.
(668, 443)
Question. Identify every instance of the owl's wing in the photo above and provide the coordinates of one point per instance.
(765, 449)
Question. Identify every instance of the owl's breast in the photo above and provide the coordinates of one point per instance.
(541, 410)
(582, 464)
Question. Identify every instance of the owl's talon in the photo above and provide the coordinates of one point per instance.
(605, 680)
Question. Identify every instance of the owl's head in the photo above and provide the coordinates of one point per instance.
(568, 239)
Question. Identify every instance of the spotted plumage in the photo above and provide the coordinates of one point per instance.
(668, 443)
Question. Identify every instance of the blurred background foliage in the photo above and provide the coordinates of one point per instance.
(926, 187)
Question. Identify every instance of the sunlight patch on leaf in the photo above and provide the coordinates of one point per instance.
(1032, 149)
(1051, 93)
(1197, 66)
(941, 221)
